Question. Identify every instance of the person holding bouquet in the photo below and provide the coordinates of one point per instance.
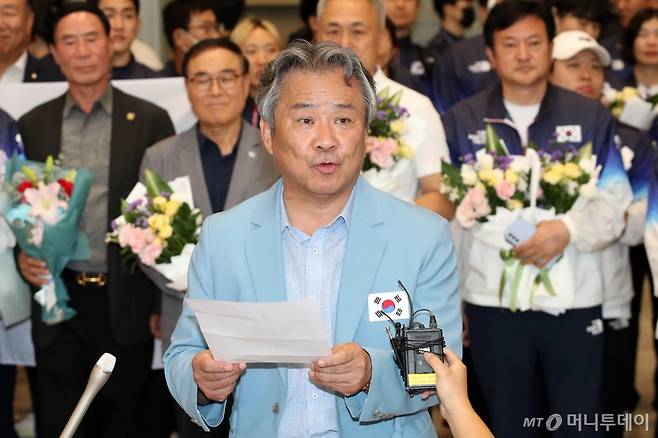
(578, 65)
(555, 347)
(639, 52)
(222, 155)
(98, 127)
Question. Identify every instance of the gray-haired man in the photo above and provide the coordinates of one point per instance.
(320, 232)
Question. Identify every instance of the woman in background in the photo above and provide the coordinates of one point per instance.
(640, 50)
(260, 42)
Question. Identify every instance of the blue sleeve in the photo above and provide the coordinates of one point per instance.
(187, 339)
(607, 151)
(652, 202)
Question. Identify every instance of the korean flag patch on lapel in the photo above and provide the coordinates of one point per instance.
(392, 304)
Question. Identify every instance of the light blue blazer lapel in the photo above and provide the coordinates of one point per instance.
(366, 241)
(265, 251)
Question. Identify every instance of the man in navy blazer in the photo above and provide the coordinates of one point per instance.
(321, 232)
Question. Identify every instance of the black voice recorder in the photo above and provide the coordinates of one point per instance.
(410, 345)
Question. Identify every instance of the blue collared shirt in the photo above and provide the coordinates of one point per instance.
(313, 267)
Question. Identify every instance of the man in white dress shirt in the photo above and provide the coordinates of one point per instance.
(359, 25)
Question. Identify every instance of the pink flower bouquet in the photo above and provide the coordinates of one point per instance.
(158, 227)
(487, 181)
(46, 204)
(392, 139)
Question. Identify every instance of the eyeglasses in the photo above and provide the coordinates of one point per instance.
(202, 82)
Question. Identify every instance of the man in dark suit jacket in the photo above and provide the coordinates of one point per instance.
(98, 127)
(41, 70)
(222, 155)
(16, 63)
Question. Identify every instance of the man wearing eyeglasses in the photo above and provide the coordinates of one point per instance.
(186, 22)
(222, 155)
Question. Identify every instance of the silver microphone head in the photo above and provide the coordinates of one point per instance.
(106, 363)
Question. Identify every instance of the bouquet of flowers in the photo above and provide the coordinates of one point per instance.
(496, 189)
(566, 174)
(158, 228)
(629, 107)
(46, 202)
(392, 138)
(482, 184)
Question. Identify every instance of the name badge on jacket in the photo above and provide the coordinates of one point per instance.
(392, 304)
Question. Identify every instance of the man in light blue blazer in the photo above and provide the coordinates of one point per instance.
(320, 232)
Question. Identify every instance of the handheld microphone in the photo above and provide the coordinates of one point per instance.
(99, 375)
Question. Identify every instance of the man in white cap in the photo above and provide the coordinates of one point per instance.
(578, 65)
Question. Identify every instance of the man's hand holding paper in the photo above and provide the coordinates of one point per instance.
(216, 380)
(346, 371)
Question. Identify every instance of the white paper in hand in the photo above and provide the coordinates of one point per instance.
(281, 332)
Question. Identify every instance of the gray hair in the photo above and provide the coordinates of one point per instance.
(378, 4)
(321, 57)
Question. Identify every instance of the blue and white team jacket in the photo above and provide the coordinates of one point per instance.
(637, 151)
(565, 119)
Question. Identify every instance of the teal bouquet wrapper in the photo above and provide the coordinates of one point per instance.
(58, 242)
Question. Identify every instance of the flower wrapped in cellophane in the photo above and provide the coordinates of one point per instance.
(566, 174)
(495, 189)
(158, 228)
(46, 202)
(630, 107)
(491, 179)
